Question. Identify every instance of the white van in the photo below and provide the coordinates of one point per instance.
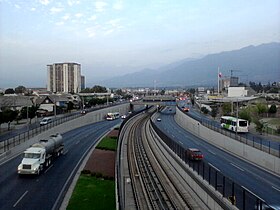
(45, 121)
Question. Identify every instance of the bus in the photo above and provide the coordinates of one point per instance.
(113, 115)
(229, 122)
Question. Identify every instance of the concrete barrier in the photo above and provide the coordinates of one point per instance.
(251, 154)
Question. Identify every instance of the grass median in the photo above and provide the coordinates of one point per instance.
(93, 193)
(95, 190)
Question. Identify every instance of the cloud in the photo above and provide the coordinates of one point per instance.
(56, 10)
(92, 18)
(17, 6)
(114, 22)
(33, 9)
(118, 5)
(72, 2)
(91, 32)
(109, 31)
(100, 6)
(79, 15)
(66, 17)
(59, 23)
(44, 2)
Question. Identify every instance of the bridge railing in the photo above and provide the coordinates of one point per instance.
(238, 195)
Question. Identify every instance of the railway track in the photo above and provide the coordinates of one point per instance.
(152, 188)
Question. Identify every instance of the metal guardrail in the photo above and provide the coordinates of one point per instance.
(238, 195)
(9, 143)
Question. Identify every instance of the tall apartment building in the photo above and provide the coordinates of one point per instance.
(64, 77)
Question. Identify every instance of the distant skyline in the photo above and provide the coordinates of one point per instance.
(109, 38)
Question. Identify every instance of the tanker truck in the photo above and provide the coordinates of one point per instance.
(40, 155)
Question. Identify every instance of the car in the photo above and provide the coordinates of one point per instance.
(45, 121)
(83, 111)
(186, 109)
(123, 116)
(158, 119)
(194, 154)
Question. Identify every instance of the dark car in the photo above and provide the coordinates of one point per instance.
(194, 154)
(158, 119)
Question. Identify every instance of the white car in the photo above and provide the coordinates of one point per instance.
(123, 116)
(45, 121)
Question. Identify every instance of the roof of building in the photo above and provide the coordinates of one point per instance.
(15, 101)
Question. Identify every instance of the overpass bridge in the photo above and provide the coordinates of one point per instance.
(161, 100)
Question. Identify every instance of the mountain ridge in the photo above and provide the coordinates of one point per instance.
(255, 63)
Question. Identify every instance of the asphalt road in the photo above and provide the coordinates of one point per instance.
(47, 190)
(250, 136)
(258, 181)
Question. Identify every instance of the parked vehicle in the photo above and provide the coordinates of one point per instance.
(45, 121)
(40, 155)
(194, 154)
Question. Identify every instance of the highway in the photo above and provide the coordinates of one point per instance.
(47, 190)
(256, 180)
(252, 137)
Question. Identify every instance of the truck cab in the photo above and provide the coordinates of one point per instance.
(32, 162)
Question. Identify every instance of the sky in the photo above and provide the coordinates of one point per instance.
(110, 38)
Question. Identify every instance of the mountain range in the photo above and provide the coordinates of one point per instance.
(253, 63)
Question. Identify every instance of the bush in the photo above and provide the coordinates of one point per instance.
(272, 109)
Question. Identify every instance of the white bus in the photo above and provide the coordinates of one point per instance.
(113, 115)
(229, 123)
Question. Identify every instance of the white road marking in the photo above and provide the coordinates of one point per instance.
(181, 142)
(276, 188)
(77, 142)
(21, 197)
(241, 169)
(214, 167)
(48, 168)
(212, 152)
(64, 153)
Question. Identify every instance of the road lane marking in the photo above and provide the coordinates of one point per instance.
(48, 168)
(21, 197)
(241, 169)
(276, 188)
(64, 153)
(214, 167)
(212, 152)
(181, 142)
(77, 142)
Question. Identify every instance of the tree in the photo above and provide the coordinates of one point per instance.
(9, 91)
(119, 92)
(245, 114)
(95, 89)
(226, 108)
(261, 108)
(204, 110)
(259, 126)
(20, 89)
(214, 112)
(31, 112)
(99, 89)
(70, 106)
(272, 109)
(8, 116)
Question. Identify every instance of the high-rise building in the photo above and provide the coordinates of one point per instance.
(64, 77)
(83, 82)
